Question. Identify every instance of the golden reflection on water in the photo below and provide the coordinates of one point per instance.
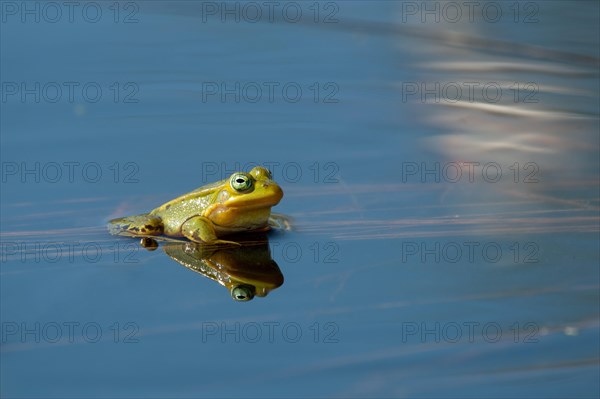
(542, 107)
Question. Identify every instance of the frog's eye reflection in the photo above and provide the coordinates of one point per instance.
(240, 182)
(242, 292)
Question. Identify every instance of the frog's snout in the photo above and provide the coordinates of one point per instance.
(275, 191)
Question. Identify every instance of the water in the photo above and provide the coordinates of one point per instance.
(401, 277)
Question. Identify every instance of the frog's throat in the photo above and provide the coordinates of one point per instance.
(238, 219)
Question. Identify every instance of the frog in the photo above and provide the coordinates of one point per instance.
(240, 203)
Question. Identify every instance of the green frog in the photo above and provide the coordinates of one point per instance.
(238, 204)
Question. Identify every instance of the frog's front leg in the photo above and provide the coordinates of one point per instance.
(137, 225)
(280, 222)
(200, 229)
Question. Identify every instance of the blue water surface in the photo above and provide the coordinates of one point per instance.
(402, 279)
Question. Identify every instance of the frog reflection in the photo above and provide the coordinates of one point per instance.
(246, 271)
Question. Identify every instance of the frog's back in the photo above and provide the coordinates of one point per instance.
(175, 212)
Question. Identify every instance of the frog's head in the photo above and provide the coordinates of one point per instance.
(245, 199)
(251, 190)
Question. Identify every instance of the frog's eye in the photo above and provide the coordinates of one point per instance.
(242, 292)
(240, 182)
